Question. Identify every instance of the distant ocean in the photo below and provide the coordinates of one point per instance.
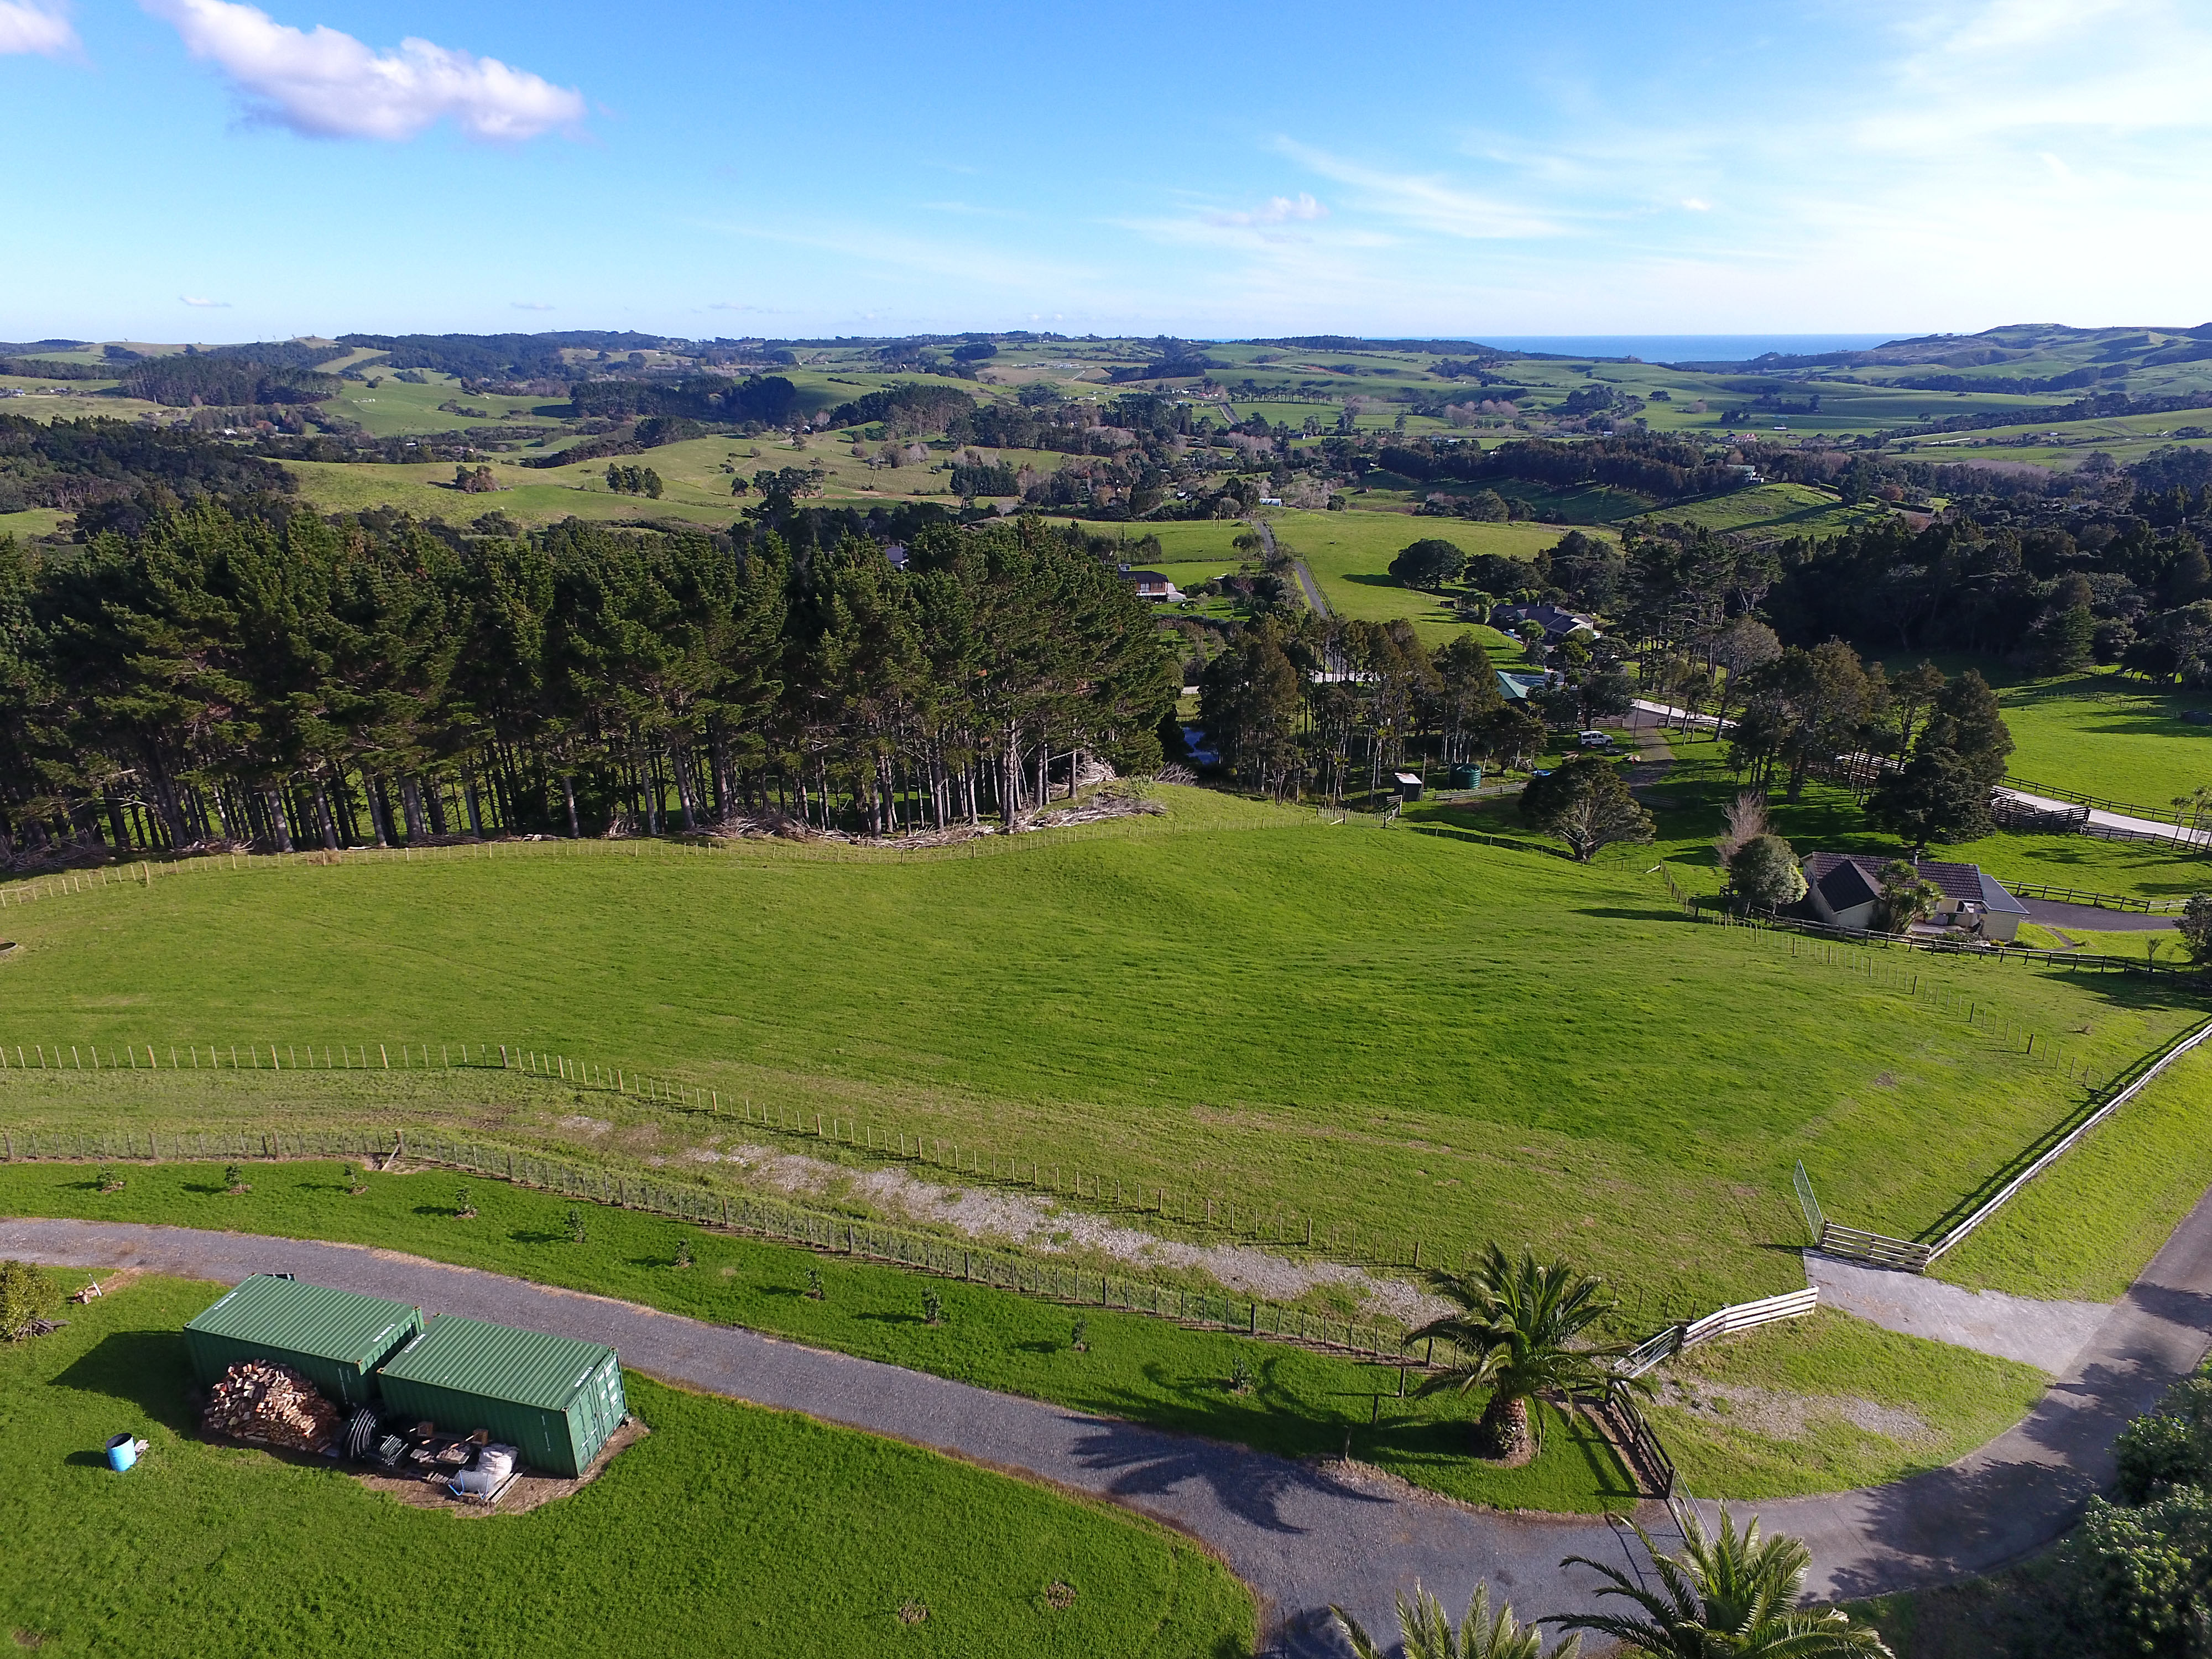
(1686, 347)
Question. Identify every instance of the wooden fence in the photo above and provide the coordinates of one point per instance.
(1380, 1342)
(2044, 890)
(1917, 1256)
(1655, 1350)
(1206, 1212)
(1375, 1342)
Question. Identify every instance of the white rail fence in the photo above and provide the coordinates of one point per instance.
(1915, 1256)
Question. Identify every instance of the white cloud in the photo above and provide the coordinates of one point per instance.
(204, 305)
(1424, 200)
(1281, 210)
(26, 26)
(328, 85)
(529, 305)
(1697, 204)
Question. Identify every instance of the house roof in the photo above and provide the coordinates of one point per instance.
(1844, 883)
(1143, 576)
(1856, 873)
(1518, 687)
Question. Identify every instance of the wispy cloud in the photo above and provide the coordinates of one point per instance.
(203, 305)
(530, 305)
(1279, 210)
(1425, 200)
(27, 26)
(326, 84)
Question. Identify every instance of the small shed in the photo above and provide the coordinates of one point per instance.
(335, 1338)
(553, 1398)
(1409, 786)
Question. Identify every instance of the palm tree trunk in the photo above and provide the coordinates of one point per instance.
(1502, 1430)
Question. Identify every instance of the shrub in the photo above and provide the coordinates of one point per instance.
(1763, 871)
(26, 1294)
(576, 1232)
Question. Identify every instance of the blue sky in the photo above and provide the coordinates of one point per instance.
(198, 169)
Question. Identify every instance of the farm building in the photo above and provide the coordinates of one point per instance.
(1844, 890)
(1152, 585)
(1558, 623)
(554, 1398)
(335, 1338)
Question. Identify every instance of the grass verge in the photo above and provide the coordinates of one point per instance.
(1828, 1403)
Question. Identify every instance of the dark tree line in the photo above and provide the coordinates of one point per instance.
(1299, 705)
(301, 682)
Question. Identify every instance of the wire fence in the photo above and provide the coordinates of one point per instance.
(1917, 1256)
(1204, 1211)
(1378, 1340)
(1824, 943)
(1374, 1341)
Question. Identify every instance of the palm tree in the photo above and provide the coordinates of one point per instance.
(1732, 1594)
(1482, 1634)
(1516, 1338)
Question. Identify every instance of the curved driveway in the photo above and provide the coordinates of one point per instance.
(1302, 1536)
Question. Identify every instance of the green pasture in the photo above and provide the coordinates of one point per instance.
(2105, 734)
(1350, 553)
(1414, 1035)
(1783, 1410)
(1298, 1402)
(32, 522)
(394, 408)
(726, 1528)
(1779, 509)
(529, 497)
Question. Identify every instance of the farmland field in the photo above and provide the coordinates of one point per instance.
(1775, 509)
(1350, 554)
(1409, 1034)
(725, 1518)
(2105, 735)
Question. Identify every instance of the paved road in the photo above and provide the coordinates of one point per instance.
(1301, 1536)
(2087, 918)
(1297, 566)
(2165, 829)
(2029, 1485)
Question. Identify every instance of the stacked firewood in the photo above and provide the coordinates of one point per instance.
(272, 1404)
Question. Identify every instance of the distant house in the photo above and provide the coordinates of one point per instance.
(1151, 585)
(1844, 889)
(1517, 687)
(895, 552)
(1557, 624)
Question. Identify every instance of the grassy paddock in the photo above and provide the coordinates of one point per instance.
(1298, 1402)
(1402, 1033)
(1785, 1410)
(725, 1519)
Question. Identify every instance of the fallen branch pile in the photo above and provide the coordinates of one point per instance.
(273, 1404)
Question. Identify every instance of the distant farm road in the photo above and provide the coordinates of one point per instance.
(1302, 1535)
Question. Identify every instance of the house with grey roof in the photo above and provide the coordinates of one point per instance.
(1844, 890)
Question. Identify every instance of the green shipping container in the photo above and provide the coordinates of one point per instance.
(335, 1338)
(553, 1398)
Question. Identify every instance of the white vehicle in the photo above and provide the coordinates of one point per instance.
(1594, 739)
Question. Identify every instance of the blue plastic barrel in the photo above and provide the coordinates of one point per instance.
(122, 1452)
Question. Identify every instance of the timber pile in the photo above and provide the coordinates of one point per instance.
(272, 1404)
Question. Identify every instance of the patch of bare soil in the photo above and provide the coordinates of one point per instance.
(1037, 1223)
(527, 1491)
(1786, 1417)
